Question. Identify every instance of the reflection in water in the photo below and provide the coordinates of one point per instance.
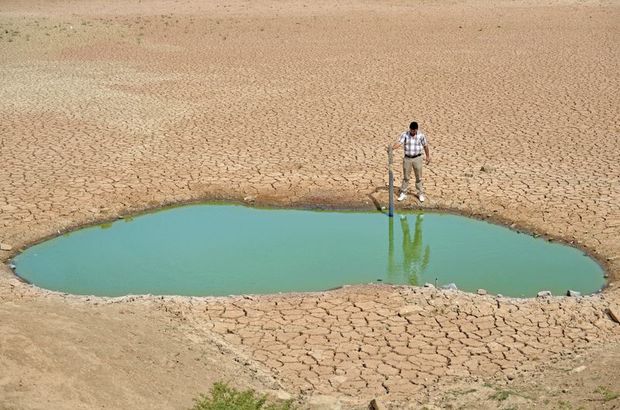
(415, 256)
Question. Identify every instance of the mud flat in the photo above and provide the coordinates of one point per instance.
(111, 107)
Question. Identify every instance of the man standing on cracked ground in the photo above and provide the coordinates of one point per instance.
(414, 142)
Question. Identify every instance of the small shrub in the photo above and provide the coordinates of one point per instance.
(606, 393)
(223, 397)
(500, 395)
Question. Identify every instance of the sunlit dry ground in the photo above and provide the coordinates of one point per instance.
(109, 107)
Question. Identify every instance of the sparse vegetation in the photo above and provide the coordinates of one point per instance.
(500, 395)
(607, 394)
(223, 397)
(563, 404)
(462, 392)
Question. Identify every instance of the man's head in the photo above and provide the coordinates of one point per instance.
(413, 127)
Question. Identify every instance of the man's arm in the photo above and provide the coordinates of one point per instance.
(398, 143)
(428, 154)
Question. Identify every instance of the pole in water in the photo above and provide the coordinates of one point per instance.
(391, 181)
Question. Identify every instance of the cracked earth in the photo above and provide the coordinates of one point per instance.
(108, 108)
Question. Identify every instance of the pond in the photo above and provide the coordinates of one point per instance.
(221, 249)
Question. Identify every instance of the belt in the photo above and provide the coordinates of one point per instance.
(412, 156)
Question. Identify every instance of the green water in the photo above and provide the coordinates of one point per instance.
(230, 249)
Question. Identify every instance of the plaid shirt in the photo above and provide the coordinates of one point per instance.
(414, 144)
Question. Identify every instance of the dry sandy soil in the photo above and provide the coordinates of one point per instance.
(109, 107)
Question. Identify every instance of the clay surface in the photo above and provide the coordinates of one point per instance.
(110, 107)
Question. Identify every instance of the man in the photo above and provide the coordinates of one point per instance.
(414, 142)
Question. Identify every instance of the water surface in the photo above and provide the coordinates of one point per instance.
(231, 249)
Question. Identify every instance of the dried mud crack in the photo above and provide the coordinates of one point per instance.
(111, 107)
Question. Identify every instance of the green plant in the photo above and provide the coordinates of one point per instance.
(500, 395)
(462, 392)
(606, 393)
(563, 404)
(223, 397)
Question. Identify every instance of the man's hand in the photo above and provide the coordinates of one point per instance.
(427, 154)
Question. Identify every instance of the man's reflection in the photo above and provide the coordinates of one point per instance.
(415, 256)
